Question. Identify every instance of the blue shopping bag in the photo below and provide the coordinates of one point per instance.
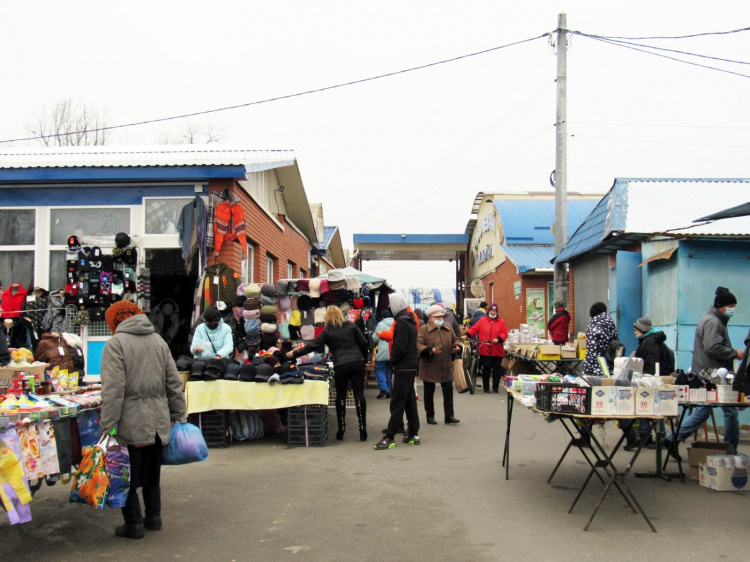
(186, 445)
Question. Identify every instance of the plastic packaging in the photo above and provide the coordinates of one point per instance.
(186, 445)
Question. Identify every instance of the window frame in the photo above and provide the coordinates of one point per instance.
(162, 236)
(270, 266)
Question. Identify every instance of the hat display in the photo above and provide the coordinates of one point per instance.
(314, 287)
(74, 245)
(197, 370)
(352, 284)
(359, 303)
(282, 286)
(130, 257)
(122, 240)
(296, 318)
(268, 290)
(268, 328)
(247, 372)
(252, 290)
(285, 303)
(252, 303)
(263, 372)
(269, 309)
(232, 372)
(319, 315)
(215, 369)
(329, 297)
(336, 279)
(268, 318)
(284, 331)
(251, 325)
(324, 286)
(267, 299)
(304, 303)
(303, 285)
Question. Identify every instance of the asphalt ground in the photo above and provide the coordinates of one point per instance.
(446, 499)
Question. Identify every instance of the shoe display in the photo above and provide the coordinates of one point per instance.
(385, 443)
(411, 440)
(381, 395)
(452, 421)
(431, 421)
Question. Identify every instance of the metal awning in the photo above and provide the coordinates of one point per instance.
(411, 247)
(665, 255)
(738, 211)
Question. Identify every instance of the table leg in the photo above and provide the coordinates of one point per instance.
(506, 451)
(675, 431)
(573, 441)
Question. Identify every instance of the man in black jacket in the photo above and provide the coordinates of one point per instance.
(404, 361)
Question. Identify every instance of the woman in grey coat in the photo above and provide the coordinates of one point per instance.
(142, 397)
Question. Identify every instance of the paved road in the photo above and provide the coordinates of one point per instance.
(444, 500)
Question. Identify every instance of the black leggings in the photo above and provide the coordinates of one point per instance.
(353, 372)
(491, 366)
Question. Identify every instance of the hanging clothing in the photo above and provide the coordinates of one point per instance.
(13, 299)
(219, 284)
(54, 318)
(35, 310)
(215, 198)
(191, 227)
(229, 225)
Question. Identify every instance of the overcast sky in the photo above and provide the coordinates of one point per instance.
(406, 153)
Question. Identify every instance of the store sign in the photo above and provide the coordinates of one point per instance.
(535, 307)
(477, 288)
(486, 224)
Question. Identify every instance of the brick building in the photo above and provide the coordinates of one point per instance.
(510, 249)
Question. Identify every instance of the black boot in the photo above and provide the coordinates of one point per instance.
(133, 527)
(631, 439)
(361, 406)
(152, 500)
(341, 418)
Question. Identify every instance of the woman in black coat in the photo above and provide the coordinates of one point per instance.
(349, 349)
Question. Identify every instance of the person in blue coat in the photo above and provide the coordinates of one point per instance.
(213, 338)
(383, 356)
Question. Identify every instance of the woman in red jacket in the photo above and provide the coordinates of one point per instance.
(559, 324)
(490, 328)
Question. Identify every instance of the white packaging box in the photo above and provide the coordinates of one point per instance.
(602, 400)
(644, 401)
(666, 402)
(723, 479)
(624, 404)
(712, 396)
(697, 394)
(683, 392)
(726, 394)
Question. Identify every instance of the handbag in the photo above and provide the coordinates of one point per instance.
(459, 378)
(117, 460)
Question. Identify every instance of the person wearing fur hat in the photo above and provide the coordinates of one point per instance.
(490, 328)
(559, 325)
(712, 350)
(435, 342)
(141, 395)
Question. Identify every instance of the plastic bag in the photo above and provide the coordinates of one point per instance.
(118, 471)
(186, 445)
(91, 483)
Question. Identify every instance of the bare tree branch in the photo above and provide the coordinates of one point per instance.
(70, 123)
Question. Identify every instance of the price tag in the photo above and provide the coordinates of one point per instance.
(216, 279)
(61, 350)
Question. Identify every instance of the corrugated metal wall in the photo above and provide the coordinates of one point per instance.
(591, 285)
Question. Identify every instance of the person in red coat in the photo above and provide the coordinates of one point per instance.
(491, 328)
(559, 325)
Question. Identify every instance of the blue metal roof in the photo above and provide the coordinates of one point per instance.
(172, 173)
(527, 258)
(328, 233)
(527, 221)
(411, 238)
(589, 232)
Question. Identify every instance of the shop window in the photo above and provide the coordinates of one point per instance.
(269, 270)
(17, 267)
(17, 227)
(162, 214)
(101, 221)
(57, 268)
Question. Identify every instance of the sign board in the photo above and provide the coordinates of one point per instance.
(535, 307)
(477, 288)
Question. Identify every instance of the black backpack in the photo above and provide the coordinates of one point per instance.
(614, 350)
(667, 363)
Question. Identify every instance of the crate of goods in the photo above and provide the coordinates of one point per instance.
(563, 397)
(214, 426)
(307, 426)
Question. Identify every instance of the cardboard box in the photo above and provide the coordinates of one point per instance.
(697, 395)
(725, 393)
(683, 393)
(712, 396)
(8, 373)
(624, 404)
(185, 376)
(699, 451)
(549, 352)
(666, 402)
(723, 479)
(581, 348)
(568, 352)
(644, 401)
(602, 400)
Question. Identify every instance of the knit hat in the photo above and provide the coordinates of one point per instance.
(122, 240)
(130, 256)
(282, 286)
(304, 302)
(73, 244)
(268, 309)
(324, 286)
(267, 299)
(120, 311)
(352, 284)
(296, 318)
(314, 287)
(643, 324)
(329, 297)
(558, 304)
(285, 303)
(435, 310)
(597, 308)
(724, 297)
(268, 290)
(494, 307)
(267, 328)
(252, 290)
(319, 315)
(359, 303)
(303, 285)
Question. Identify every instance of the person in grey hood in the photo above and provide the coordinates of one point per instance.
(141, 395)
(712, 350)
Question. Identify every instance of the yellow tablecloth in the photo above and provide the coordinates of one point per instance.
(204, 396)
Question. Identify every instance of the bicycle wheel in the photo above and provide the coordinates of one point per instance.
(473, 374)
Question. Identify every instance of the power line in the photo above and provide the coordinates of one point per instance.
(669, 37)
(662, 142)
(657, 125)
(664, 49)
(616, 44)
(288, 96)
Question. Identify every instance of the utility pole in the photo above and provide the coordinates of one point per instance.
(561, 157)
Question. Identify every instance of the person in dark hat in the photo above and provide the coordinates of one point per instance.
(479, 313)
(141, 393)
(213, 338)
(712, 350)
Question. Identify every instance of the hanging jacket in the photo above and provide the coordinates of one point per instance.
(230, 225)
(35, 310)
(12, 303)
(215, 198)
(220, 283)
(559, 326)
(54, 318)
(488, 329)
(191, 227)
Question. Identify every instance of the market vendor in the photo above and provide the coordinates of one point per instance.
(213, 338)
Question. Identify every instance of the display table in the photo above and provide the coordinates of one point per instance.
(581, 425)
(548, 366)
(204, 396)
